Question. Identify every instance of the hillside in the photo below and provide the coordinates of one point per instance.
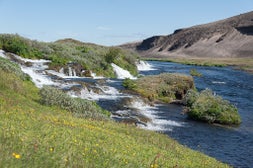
(65, 53)
(230, 38)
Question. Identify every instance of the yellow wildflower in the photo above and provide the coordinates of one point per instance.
(17, 156)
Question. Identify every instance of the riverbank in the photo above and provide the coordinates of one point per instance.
(245, 64)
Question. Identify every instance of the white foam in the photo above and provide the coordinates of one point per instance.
(60, 74)
(156, 123)
(153, 127)
(144, 66)
(2, 54)
(218, 82)
(121, 73)
(94, 76)
(107, 92)
(38, 79)
(31, 60)
(72, 72)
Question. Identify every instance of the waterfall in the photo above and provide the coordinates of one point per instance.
(121, 73)
(144, 66)
(2, 54)
(38, 79)
(74, 72)
(61, 71)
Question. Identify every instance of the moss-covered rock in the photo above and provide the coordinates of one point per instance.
(165, 87)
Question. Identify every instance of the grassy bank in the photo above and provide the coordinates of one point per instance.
(37, 135)
(245, 64)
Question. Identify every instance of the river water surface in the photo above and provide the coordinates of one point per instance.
(231, 145)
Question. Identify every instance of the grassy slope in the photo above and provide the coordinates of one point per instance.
(32, 135)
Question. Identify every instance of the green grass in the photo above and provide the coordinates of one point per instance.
(36, 135)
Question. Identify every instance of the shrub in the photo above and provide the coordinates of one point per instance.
(79, 107)
(205, 106)
(19, 45)
(129, 84)
(191, 97)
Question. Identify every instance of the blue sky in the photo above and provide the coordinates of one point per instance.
(110, 22)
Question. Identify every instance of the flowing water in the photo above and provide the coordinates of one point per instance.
(228, 144)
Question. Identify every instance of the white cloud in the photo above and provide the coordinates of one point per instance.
(103, 28)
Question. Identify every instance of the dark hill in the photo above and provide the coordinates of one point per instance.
(232, 37)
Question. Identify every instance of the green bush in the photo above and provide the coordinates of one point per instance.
(191, 97)
(79, 107)
(129, 84)
(205, 106)
(19, 45)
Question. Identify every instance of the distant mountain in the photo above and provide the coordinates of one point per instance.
(232, 37)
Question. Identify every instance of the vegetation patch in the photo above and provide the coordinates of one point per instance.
(11, 67)
(207, 107)
(194, 72)
(79, 107)
(165, 87)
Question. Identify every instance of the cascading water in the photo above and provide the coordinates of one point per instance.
(144, 66)
(100, 93)
(124, 107)
(121, 73)
(2, 54)
(72, 72)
